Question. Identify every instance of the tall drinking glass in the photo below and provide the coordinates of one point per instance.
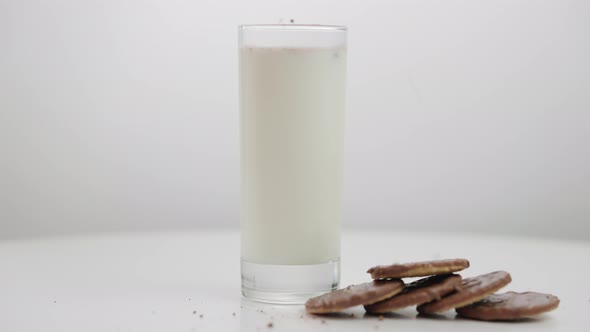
(292, 100)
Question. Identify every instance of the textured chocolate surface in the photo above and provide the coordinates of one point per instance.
(472, 290)
(362, 294)
(418, 292)
(418, 269)
(510, 306)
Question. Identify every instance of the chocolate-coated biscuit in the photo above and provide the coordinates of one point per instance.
(510, 306)
(472, 290)
(418, 292)
(367, 293)
(418, 269)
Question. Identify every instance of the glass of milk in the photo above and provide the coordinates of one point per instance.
(292, 101)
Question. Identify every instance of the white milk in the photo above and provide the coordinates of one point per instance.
(292, 114)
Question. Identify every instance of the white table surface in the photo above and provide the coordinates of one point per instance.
(166, 281)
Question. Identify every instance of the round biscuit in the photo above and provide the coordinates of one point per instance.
(472, 290)
(510, 306)
(362, 294)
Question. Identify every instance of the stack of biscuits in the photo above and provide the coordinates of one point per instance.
(439, 291)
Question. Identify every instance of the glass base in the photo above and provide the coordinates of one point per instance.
(288, 284)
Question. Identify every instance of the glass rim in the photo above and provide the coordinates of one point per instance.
(293, 27)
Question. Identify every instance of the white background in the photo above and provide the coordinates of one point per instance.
(462, 115)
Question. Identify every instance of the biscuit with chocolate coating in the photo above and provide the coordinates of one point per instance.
(472, 290)
(418, 269)
(362, 294)
(418, 292)
(510, 306)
